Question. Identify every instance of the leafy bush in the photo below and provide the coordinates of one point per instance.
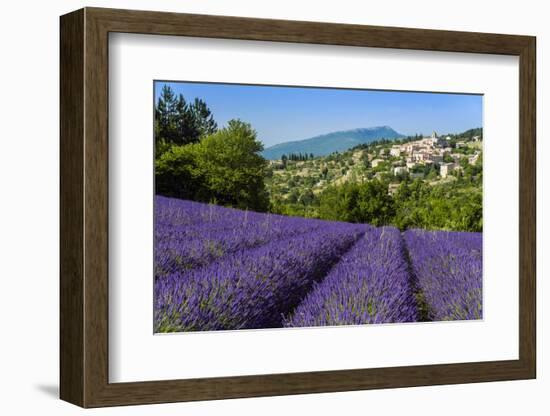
(224, 167)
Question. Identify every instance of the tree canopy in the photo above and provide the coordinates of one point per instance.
(455, 205)
(353, 202)
(224, 167)
(178, 122)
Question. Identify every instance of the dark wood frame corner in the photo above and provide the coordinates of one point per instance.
(84, 207)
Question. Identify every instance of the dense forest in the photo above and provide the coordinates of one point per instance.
(197, 160)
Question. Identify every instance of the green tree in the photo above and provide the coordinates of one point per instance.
(201, 120)
(453, 206)
(166, 117)
(353, 202)
(185, 123)
(177, 122)
(232, 167)
(375, 205)
(284, 160)
(293, 196)
(224, 166)
(307, 197)
(177, 173)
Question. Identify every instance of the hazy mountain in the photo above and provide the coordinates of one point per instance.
(328, 143)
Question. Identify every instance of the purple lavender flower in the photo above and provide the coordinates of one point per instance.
(448, 269)
(370, 284)
(181, 244)
(220, 268)
(252, 287)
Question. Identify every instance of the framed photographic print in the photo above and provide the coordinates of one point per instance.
(255, 207)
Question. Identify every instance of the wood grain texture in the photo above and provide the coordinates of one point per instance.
(96, 208)
(178, 24)
(527, 207)
(71, 210)
(84, 207)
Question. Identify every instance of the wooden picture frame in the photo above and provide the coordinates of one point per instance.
(84, 207)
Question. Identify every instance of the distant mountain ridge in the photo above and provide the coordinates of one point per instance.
(337, 141)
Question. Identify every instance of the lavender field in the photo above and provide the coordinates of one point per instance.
(226, 269)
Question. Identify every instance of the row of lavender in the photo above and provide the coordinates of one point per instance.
(190, 234)
(370, 284)
(219, 268)
(447, 267)
(253, 268)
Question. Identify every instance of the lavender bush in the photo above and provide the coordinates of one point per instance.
(251, 288)
(448, 268)
(181, 245)
(370, 284)
(219, 268)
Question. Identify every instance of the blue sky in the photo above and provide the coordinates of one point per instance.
(281, 114)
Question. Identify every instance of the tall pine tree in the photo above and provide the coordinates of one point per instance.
(177, 122)
(204, 123)
(165, 116)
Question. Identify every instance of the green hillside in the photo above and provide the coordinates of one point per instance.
(347, 187)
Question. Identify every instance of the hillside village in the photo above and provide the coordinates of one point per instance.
(434, 160)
